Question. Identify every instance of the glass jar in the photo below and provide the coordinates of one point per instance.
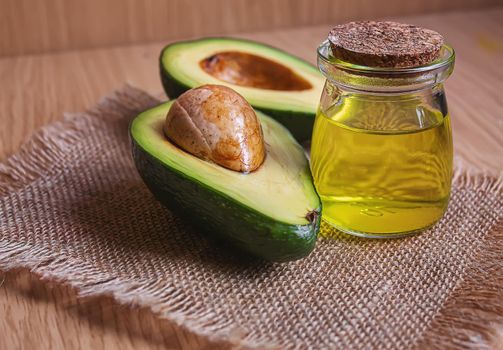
(381, 152)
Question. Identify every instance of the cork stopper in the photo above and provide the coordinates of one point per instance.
(385, 44)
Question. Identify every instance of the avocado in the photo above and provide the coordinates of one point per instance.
(271, 80)
(272, 212)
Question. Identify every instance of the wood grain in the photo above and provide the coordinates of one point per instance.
(44, 315)
(31, 26)
(38, 89)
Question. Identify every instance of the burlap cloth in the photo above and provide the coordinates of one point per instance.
(73, 208)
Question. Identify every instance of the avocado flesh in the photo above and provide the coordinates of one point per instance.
(181, 71)
(272, 213)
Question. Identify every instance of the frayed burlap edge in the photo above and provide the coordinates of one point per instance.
(472, 317)
(40, 157)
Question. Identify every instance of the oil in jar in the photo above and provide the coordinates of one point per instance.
(382, 169)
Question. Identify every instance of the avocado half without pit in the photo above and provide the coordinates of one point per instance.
(230, 171)
(271, 80)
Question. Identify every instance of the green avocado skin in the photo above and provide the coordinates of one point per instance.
(299, 124)
(217, 214)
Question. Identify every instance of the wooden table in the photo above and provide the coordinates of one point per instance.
(39, 89)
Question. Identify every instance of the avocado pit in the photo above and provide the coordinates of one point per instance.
(245, 69)
(215, 123)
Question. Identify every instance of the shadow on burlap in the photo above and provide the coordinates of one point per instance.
(73, 209)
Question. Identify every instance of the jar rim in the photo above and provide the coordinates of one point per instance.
(446, 58)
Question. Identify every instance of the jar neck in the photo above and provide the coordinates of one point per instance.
(377, 95)
(384, 113)
(378, 80)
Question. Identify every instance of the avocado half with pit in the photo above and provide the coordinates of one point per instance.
(272, 213)
(271, 80)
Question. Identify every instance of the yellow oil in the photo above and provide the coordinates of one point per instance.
(382, 169)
